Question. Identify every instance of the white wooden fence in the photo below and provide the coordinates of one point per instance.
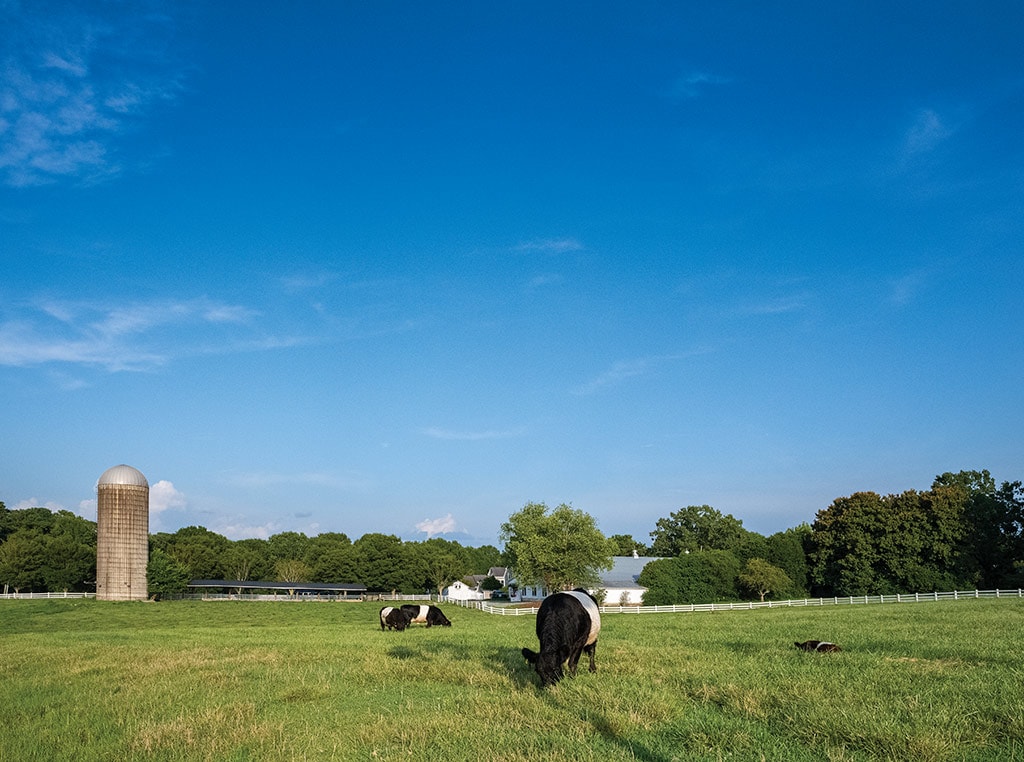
(853, 600)
(513, 610)
(30, 596)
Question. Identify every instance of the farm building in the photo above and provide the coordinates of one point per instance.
(620, 582)
(122, 535)
(460, 590)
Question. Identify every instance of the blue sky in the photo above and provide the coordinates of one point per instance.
(404, 267)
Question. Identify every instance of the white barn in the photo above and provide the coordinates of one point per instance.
(620, 582)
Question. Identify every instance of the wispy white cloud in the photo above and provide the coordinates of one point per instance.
(70, 80)
(437, 526)
(616, 374)
(905, 288)
(926, 133)
(624, 370)
(35, 502)
(691, 84)
(551, 246)
(243, 531)
(470, 436)
(87, 509)
(778, 306)
(118, 338)
(545, 279)
(307, 281)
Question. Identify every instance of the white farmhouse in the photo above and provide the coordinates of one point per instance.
(619, 583)
(460, 591)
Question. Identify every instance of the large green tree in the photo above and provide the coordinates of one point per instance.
(44, 550)
(560, 550)
(248, 559)
(762, 578)
(788, 551)
(484, 558)
(385, 565)
(625, 545)
(695, 528)
(708, 576)
(869, 544)
(22, 561)
(992, 546)
(165, 576)
(70, 565)
(443, 562)
(196, 549)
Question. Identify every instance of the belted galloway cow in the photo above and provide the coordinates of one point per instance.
(820, 646)
(393, 618)
(568, 624)
(426, 614)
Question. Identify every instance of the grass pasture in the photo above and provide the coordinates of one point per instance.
(195, 680)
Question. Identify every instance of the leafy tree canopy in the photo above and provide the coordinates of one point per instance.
(696, 528)
(560, 550)
(761, 578)
(625, 545)
(707, 576)
(164, 575)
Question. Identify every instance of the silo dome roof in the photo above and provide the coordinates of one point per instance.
(123, 475)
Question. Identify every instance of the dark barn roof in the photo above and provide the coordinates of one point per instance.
(298, 587)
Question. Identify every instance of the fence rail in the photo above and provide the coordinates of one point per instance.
(513, 610)
(241, 596)
(853, 600)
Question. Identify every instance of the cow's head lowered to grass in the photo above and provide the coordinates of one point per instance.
(567, 626)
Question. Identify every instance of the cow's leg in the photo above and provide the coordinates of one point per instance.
(591, 649)
(574, 658)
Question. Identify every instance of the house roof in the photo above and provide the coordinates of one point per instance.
(625, 571)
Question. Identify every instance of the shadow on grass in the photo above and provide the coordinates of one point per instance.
(508, 662)
(524, 675)
(635, 750)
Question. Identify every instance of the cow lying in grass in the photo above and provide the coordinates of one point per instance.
(567, 626)
(393, 618)
(820, 646)
(429, 615)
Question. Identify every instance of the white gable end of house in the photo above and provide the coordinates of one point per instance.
(460, 591)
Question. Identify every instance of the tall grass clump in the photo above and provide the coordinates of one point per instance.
(198, 680)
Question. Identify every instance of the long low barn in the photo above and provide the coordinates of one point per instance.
(294, 588)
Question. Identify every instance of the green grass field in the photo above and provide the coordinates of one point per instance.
(194, 680)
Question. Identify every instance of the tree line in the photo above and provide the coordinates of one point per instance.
(962, 533)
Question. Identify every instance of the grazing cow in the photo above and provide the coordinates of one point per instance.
(567, 625)
(393, 618)
(430, 615)
(820, 646)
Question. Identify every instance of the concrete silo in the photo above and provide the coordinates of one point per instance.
(122, 535)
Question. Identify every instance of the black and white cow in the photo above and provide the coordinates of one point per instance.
(821, 646)
(567, 625)
(429, 615)
(393, 618)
